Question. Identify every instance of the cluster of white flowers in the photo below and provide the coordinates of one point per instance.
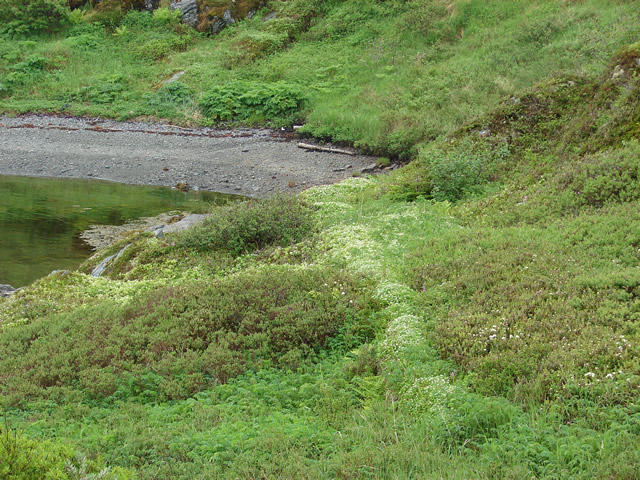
(339, 192)
(402, 332)
(101, 288)
(74, 290)
(391, 293)
(621, 345)
(353, 244)
(333, 209)
(169, 270)
(429, 394)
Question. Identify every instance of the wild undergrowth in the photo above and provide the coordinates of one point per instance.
(471, 315)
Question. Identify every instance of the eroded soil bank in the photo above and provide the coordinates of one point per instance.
(252, 162)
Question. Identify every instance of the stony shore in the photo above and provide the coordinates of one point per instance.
(251, 162)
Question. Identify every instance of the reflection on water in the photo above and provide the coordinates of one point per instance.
(40, 219)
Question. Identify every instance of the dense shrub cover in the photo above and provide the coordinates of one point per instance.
(254, 102)
(24, 17)
(471, 315)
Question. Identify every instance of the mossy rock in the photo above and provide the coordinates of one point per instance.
(211, 13)
(110, 12)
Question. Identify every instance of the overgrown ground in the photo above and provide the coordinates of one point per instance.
(472, 315)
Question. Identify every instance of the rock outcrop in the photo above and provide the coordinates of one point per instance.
(107, 262)
(6, 290)
(212, 16)
(189, 9)
(187, 222)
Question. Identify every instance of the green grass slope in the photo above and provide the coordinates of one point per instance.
(385, 76)
(471, 315)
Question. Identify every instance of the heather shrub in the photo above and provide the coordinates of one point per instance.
(174, 341)
(246, 226)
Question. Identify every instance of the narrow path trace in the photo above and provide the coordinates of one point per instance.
(246, 161)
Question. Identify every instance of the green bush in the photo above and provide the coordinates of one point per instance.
(25, 458)
(26, 17)
(22, 458)
(252, 45)
(451, 172)
(431, 18)
(247, 101)
(24, 73)
(165, 16)
(104, 90)
(170, 98)
(244, 227)
(154, 49)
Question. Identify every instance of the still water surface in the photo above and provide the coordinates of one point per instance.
(41, 219)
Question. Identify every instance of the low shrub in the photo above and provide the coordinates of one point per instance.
(436, 20)
(26, 17)
(25, 458)
(104, 90)
(252, 45)
(451, 172)
(170, 98)
(176, 341)
(249, 101)
(154, 49)
(244, 227)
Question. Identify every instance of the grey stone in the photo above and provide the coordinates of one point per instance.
(6, 290)
(187, 222)
(270, 16)
(218, 25)
(617, 72)
(158, 231)
(151, 5)
(369, 168)
(189, 9)
(228, 19)
(60, 273)
(110, 260)
(173, 77)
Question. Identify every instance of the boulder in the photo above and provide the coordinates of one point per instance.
(6, 290)
(187, 222)
(151, 5)
(107, 262)
(189, 9)
(215, 15)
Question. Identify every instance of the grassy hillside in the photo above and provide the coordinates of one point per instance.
(471, 315)
(383, 75)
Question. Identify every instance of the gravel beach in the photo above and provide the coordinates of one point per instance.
(251, 162)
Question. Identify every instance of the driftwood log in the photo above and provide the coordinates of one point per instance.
(308, 146)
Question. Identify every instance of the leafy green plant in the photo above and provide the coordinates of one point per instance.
(19, 18)
(105, 90)
(155, 49)
(244, 227)
(177, 341)
(22, 458)
(165, 16)
(169, 99)
(248, 101)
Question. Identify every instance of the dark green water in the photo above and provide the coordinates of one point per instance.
(41, 219)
